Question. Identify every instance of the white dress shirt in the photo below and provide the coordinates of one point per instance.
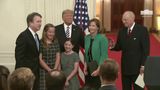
(70, 29)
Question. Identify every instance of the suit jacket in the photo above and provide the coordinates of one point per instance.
(99, 48)
(110, 87)
(26, 52)
(151, 71)
(77, 37)
(135, 49)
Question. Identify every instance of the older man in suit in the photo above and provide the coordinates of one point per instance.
(133, 41)
(27, 47)
(68, 30)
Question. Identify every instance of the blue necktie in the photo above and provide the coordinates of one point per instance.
(37, 41)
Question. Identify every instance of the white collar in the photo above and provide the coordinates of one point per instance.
(131, 28)
(33, 33)
(70, 29)
(107, 85)
(65, 26)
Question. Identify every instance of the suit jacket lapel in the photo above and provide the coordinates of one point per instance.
(134, 29)
(73, 31)
(132, 33)
(72, 34)
(32, 39)
(63, 31)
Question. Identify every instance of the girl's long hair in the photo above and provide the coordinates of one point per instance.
(44, 34)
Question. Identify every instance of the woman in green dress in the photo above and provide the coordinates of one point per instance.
(96, 49)
(69, 62)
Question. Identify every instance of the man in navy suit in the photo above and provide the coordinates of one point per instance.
(133, 41)
(27, 47)
(68, 30)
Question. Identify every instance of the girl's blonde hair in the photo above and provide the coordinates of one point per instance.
(44, 34)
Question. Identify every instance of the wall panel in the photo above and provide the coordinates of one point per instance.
(13, 15)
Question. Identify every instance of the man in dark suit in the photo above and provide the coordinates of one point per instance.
(68, 30)
(27, 47)
(108, 74)
(151, 73)
(133, 41)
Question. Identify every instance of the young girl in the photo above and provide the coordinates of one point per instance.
(49, 53)
(69, 62)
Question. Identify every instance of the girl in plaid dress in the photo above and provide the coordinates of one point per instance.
(49, 53)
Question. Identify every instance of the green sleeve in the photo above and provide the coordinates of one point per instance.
(103, 49)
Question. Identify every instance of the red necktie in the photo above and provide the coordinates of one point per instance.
(129, 31)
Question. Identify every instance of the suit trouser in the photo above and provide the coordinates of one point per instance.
(128, 81)
(36, 85)
(36, 82)
(153, 87)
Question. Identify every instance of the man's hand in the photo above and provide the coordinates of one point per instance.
(95, 73)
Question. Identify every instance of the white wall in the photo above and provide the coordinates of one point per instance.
(13, 21)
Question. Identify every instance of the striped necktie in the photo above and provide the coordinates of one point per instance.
(67, 32)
